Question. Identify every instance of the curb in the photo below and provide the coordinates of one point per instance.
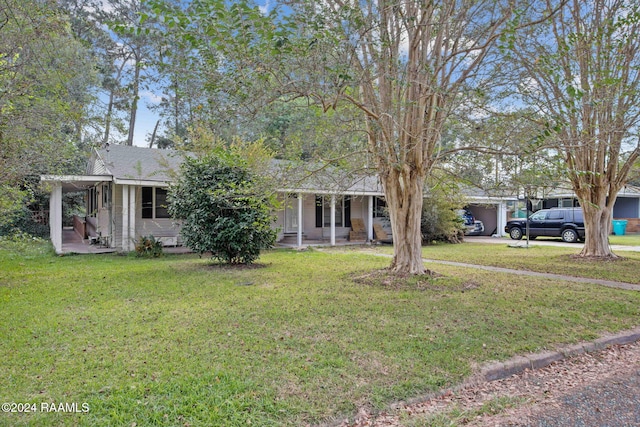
(501, 370)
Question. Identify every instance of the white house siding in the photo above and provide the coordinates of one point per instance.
(360, 208)
(104, 213)
(99, 167)
(163, 228)
(311, 232)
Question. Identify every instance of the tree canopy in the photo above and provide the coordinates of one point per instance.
(45, 76)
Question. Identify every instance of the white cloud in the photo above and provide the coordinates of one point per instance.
(151, 97)
(265, 8)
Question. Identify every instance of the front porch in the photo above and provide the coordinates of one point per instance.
(71, 239)
(72, 242)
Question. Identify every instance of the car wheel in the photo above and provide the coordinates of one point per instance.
(515, 233)
(569, 236)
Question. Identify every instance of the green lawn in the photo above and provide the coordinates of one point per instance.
(627, 239)
(547, 259)
(176, 341)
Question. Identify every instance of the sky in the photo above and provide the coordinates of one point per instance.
(146, 119)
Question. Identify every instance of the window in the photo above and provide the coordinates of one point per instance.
(106, 196)
(161, 203)
(379, 207)
(342, 211)
(92, 202)
(539, 216)
(566, 203)
(154, 203)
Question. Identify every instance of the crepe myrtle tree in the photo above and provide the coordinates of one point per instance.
(404, 66)
(216, 199)
(583, 74)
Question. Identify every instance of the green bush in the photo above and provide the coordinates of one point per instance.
(148, 247)
(222, 208)
(21, 221)
(440, 220)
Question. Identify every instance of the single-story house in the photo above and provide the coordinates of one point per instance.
(126, 191)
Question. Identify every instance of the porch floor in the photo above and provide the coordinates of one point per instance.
(307, 242)
(73, 243)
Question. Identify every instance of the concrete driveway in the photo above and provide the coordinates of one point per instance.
(540, 242)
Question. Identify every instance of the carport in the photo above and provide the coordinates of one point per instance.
(492, 211)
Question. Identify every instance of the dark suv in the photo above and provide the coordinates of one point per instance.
(567, 223)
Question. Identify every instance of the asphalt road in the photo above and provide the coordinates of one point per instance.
(614, 403)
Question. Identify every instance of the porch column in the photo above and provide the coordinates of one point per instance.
(370, 220)
(55, 217)
(132, 217)
(125, 218)
(502, 218)
(333, 220)
(300, 219)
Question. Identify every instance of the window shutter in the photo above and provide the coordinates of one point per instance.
(147, 202)
(319, 218)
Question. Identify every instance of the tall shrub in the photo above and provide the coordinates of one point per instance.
(440, 220)
(222, 208)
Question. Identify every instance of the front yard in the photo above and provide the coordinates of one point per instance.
(176, 341)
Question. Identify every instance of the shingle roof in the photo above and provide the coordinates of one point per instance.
(315, 178)
(126, 162)
(148, 164)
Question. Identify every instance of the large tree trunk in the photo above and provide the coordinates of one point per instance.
(597, 221)
(597, 195)
(597, 198)
(404, 196)
(108, 118)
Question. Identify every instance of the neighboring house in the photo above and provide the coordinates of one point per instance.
(126, 191)
(627, 205)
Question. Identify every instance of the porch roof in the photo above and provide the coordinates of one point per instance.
(72, 183)
(626, 191)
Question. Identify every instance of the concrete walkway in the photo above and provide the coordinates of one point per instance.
(538, 242)
(608, 283)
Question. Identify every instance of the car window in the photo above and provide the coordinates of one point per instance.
(538, 216)
(556, 215)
